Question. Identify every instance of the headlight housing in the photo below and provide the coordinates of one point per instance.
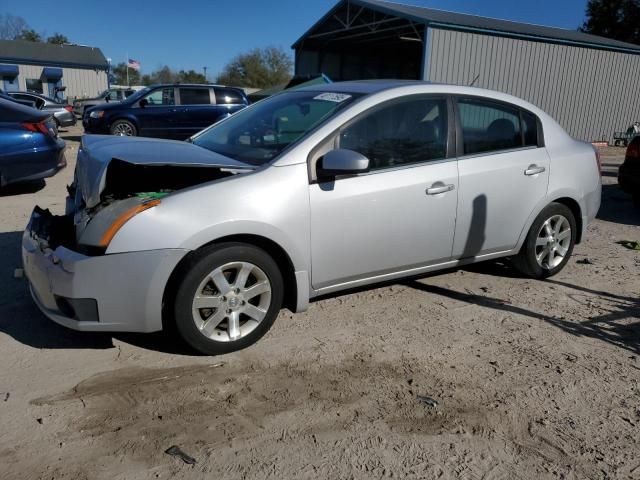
(97, 114)
(103, 225)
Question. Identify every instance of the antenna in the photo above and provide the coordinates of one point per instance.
(474, 80)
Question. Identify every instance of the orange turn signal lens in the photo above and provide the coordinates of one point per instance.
(124, 218)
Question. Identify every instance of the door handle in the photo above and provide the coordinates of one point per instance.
(534, 170)
(435, 190)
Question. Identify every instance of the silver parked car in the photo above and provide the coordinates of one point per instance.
(62, 113)
(302, 194)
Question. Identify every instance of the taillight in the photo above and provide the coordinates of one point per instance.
(633, 152)
(68, 108)
(37, 128)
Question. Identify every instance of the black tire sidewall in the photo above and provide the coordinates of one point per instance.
(135, 130)
(528, 252)
(204, 262)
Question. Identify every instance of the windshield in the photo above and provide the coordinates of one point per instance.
(257, 134)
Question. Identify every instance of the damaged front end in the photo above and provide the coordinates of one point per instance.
(117, 178)
(72, 279)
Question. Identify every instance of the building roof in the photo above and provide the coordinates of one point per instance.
(461, 21)
(21, 51)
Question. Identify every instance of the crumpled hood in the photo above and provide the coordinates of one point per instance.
(97, 151)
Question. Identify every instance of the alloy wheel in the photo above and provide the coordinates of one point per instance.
(231, 301)
(123, 130)
(553, 242)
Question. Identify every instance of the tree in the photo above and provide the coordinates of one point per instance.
(29, 35)
(191, 77)
(58, 39)
(617, 19)
(163, 75)
(120, 75)
(11, 26)
(259, 68)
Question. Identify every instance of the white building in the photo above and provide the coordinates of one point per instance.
(42, 67)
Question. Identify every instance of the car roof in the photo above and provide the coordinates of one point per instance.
(362, 86)
(371, 87)
(33, 94)
(156, 85)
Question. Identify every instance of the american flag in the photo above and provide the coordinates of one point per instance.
(135, 64)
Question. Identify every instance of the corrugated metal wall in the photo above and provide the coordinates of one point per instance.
(589, 92)
(79, 82)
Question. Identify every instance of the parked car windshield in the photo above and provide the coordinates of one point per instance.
(259, 133)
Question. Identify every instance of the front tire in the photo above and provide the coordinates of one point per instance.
(549, 243)
(123, 128)
(227, 298)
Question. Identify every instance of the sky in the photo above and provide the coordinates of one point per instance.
(192, 34)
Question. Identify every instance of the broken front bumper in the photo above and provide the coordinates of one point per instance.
(118, 292)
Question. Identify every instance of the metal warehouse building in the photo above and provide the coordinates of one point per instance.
(41, 67)
(588, 83)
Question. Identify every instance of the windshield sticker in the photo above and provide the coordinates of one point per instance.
(332, 97)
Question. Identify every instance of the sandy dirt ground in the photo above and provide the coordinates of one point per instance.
(468, 374)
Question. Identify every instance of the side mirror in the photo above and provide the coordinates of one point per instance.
(143, 103)
(342, 162)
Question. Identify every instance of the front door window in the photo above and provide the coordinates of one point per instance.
(161, 97)
(403, 133)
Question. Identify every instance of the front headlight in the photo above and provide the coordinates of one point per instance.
(103, 226)
(123, 218)
(97, 114)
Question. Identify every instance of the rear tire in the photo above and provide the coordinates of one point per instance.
(549, 243)
(123, 128)
(227, 298)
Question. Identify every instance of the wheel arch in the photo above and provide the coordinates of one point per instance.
(566, 198)
(276, 251)
(575, 208)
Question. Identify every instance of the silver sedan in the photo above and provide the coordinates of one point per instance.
(306, 193)
(62, 113)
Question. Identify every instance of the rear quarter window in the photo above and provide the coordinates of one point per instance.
(530, 129)
(228, 96)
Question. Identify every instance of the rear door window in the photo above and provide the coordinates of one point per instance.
(194, 96)
(488, 126)
(227, 96)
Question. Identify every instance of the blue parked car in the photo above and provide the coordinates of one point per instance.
(29, 145)
(174, 111)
